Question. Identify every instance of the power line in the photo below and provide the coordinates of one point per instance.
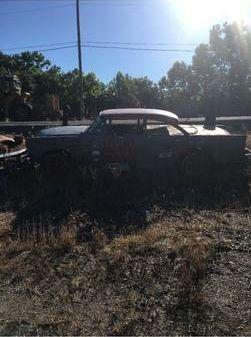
(57, 48)
(143, 43)
(126, 48)
(90, 2)
(143, 49)
(135, 49)
(100, 42)
(35, 9)
(37, 46)
(51, 49)
(118, 48)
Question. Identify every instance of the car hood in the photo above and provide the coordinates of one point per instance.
(199, 130)
(62, 131)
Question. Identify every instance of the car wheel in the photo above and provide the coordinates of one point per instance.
(194, 166)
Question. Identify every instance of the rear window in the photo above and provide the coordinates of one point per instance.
(154, 122)
(122, 121)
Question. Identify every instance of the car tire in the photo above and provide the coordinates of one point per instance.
(194, 166)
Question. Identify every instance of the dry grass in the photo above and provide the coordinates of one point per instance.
(166, 279)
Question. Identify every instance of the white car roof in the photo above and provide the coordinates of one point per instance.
(163, 115)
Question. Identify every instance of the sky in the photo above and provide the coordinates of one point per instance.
(172, 25)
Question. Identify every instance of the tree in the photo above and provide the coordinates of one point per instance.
(93, 91)
(219, 79)
(28, 64)
(146, 92)
(125, 91)
(6, 63)
(223, 70)
(178, 89)
(121, 93)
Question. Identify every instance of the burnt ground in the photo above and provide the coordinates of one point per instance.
(144, 257)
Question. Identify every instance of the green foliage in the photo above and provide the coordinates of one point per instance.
(217, 81)
(219, 78)
(5, 63)
(177, 88)
(125, 91)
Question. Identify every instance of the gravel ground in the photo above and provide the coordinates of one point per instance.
(160, 262)
(186, 274)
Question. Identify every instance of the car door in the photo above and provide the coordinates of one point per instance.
(119, 142)
(102, 144)
(159, 147)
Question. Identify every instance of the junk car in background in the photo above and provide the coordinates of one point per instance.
(138, 139)
(12, 150)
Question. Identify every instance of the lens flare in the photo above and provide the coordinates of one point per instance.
(202, 13)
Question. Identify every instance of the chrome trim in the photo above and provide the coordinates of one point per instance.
(12, 154)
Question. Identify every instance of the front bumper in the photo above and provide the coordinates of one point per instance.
(13, 154)
(7, 160)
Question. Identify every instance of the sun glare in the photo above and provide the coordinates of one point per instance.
(201, 13)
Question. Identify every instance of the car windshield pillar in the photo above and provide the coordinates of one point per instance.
(97, 127)
(180, 128)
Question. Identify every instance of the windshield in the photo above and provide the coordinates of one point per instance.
(96, 127)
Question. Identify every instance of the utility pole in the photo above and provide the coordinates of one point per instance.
(80, 60)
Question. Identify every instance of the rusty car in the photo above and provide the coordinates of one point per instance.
(123, 140)
(12, 150)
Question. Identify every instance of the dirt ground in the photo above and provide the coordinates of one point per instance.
(140, 258)
(166, 267)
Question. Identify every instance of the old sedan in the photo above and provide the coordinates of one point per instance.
(137, 139)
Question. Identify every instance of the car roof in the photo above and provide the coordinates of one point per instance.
(162, 115)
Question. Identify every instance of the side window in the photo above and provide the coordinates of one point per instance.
(155, 127)
(121, 127)
(173, 131)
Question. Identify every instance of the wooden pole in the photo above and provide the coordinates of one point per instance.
(80, 60)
